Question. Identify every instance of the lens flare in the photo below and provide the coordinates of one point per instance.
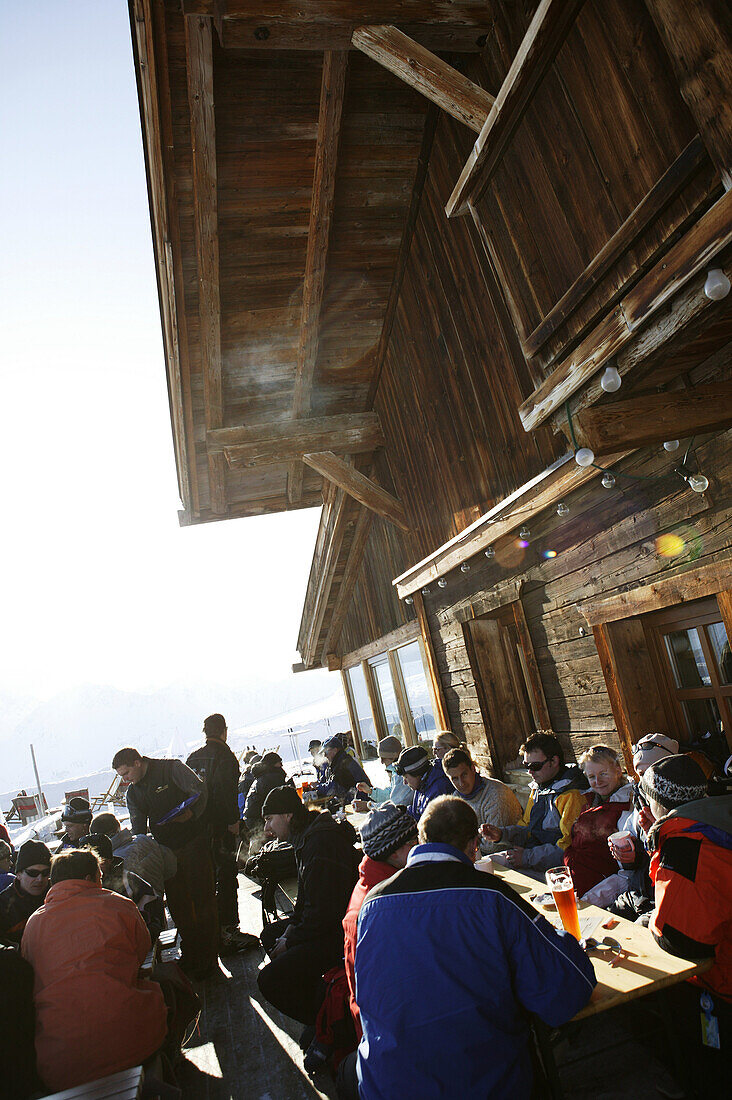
(523, 543)
(670, 546)
(549, 553)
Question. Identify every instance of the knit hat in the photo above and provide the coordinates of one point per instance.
(674, 781)
(385, 829)
(413, 761)
(314, 745)
(653, 747)
(77, 811)
(272, 760)
(282, 800)
(33, 851)
(389, 746)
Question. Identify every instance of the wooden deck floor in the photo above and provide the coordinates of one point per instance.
(246, 1050)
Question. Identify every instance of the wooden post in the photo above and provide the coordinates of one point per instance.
(360, 487)
(433, 674)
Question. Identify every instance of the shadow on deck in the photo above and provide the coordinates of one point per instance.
(246, 1050)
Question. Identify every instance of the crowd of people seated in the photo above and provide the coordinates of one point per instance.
(398, 947)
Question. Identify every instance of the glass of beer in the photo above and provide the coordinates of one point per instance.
(559, 881)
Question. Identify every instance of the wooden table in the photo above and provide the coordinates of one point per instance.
(126, 1085)
(647, 969)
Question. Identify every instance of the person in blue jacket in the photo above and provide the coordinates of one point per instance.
(426, 778)
(344, 772)
(468, 961)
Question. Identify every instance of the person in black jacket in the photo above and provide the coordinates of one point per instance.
(157, 788)
(217, 766)
(268, 774)
(302, 947)
(26, 892)
(344, 772)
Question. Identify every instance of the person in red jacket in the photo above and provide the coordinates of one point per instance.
(690, 841)
(388, 835)
(94, 1015)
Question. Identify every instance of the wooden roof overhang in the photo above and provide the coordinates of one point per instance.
(285, 171)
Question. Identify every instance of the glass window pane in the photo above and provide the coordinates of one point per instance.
(382, 673)
(687, 659)
(721, 649)
(361, 703)
(417, 689)
(705, 728)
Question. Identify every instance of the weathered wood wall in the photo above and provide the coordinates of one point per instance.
(608, 543)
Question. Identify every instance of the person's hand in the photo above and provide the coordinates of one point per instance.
(234, 829)
(490, 832)
(627, 859)
(365, 788)
(279, 948)
(515, 857)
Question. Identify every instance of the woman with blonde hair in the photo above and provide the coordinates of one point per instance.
(444, 741)
(610, 805)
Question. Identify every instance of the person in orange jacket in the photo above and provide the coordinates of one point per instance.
(94, 1016)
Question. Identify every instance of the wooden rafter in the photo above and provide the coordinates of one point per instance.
(321, 212)
(543, 39)
(705, 239)
(258, 444)
(348, 583)
(655, 417)
(698, 41)
(427, 73)
(360, 487)
(199, 72)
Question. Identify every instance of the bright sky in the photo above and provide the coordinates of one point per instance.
(101, 585)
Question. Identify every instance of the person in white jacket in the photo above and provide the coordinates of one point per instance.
(397, 792)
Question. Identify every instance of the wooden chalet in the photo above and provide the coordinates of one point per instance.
(406, 252)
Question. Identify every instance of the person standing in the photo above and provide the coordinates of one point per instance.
(157, 788)
(217, 766)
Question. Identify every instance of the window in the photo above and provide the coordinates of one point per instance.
(390, 694)
(361, 705)
(416, 689)
(387, 695)
(691, 652)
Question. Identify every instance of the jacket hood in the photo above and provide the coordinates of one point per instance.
(708, 817)
(570, 778)
(124, 836)
(262, 768)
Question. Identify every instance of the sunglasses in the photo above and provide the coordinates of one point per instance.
(536, 766)
(35, 873)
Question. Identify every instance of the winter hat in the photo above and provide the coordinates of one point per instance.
(389, 746)
(282, 800)
(272, 760)
(33, 851)
(334, 742)
(5, 850)
(77, 812)
(674, 781)
(385, 829)
(414, 761)
(314, 745)
(100, 844)
(653, 747)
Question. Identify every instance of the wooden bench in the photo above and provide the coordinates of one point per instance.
(126, 1085)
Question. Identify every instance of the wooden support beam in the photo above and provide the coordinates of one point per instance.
(428, 74)
(551, 485)
(199, 72)
(655, 417)
(684, 586)
(348, 583)
(321, 578)
(259, 444)
(360, 487)
(433, 672)
(543, 39)
(704, 240)
(697, 35)
(332, 89)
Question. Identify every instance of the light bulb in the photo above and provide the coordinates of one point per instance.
(608, 480)
(698, 483)
(442, 583)
(465, 568)
(584, 456)
(562, 509)
(611, 380)
(717, 285)
(671, 445)
(524, 533)
(409, 600)
(489, 552)
(425, 591)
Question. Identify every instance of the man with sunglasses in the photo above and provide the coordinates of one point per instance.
(558, 797)
(26, 892)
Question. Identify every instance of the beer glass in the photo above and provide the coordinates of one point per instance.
(559, 881)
